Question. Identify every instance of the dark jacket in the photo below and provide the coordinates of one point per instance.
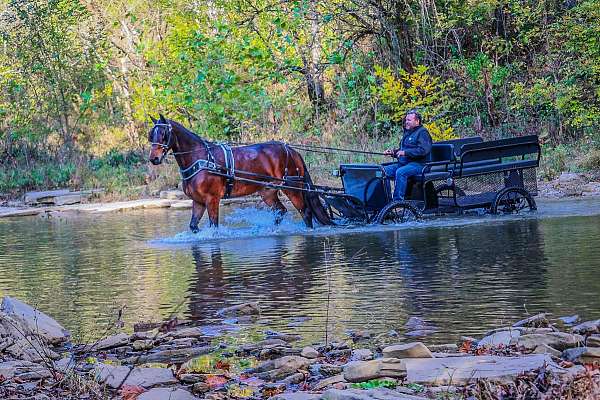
(416, 144)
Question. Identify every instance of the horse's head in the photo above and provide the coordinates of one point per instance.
(161, 139)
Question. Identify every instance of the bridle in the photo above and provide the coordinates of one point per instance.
(165, 146)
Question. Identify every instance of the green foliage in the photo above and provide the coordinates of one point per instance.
(375, 383)
(51, 69)
(40, 176)
(554, 161)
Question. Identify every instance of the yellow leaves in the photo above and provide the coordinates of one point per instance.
(417, 90)
(440, 130)
(239, 392)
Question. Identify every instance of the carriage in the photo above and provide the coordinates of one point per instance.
(497, 176)
(462, 174)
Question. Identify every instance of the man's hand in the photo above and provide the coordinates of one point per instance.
(400, 153)
(389, 152)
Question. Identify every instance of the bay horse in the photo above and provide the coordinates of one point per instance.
(211, 171)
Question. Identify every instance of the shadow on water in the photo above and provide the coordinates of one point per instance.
(462, 277)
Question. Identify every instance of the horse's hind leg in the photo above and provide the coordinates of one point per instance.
(212, 204)
(271, 199)
(297, 199)
(197, 213)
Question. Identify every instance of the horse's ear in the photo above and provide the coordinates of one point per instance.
(154, 120)
(162, 118)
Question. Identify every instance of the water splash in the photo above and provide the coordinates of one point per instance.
(241, 223)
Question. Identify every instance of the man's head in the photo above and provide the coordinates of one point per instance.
(412, 119)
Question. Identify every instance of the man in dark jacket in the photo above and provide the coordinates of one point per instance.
(415, 146)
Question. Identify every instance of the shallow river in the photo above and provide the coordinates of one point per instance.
(460, 275)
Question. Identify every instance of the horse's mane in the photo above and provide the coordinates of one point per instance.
(189, 133)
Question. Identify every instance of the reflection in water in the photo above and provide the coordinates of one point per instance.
(463, 279)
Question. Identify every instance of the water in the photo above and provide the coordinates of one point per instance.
(462, 275)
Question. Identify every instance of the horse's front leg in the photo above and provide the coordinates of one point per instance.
(197, 213)
(212, 204)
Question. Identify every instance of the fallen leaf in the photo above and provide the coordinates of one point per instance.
(214, 381)
(131, 392)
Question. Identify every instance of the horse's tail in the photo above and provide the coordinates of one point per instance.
(312, 201)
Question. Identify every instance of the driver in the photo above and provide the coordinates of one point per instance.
(415, 146)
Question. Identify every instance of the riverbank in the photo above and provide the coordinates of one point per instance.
(566, 186)
(539, 357)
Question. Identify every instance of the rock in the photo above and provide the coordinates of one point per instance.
(591, 189)
(332, 380)
(67, 199)
(571, 178)
(329, 369)
(177, 356)
(409, 350)
(145, 377)
(359, 334)
(33, 322)
(447, 347)
(545, 349)
(361, 355)
(286, 337)
(339, 353)
(172, 194)
(183, 342)
(570, 320)
(139, 345)
(194, 332)
(557, 340)
(191, 378)
(296, 396)
(462, 370)
(587, 327)
(309, 352)
(200, 388)
(281, 367)
(593, 341)
(582, 355)
(360, 371)
(536, 321)
(502, 338)
(294, 379)
(65, 364)
(240, 309)
(24, 370)
(111, 342)
(370, 394)
(167, 394)
(31, 349)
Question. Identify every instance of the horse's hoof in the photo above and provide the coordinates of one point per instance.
(195, 230)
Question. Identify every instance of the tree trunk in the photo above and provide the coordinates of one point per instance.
(313, 73)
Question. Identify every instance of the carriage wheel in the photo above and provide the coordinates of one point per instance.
(398, 212)
(513, 200)
(446, 190)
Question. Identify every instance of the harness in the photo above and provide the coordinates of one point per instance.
(227, 170)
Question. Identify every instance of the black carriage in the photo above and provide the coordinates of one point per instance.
(497, 176)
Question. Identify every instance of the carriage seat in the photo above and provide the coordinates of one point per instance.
(498, 155)
(458, 143)
(440, 163)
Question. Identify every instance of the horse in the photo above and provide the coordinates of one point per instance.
(212, 171)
